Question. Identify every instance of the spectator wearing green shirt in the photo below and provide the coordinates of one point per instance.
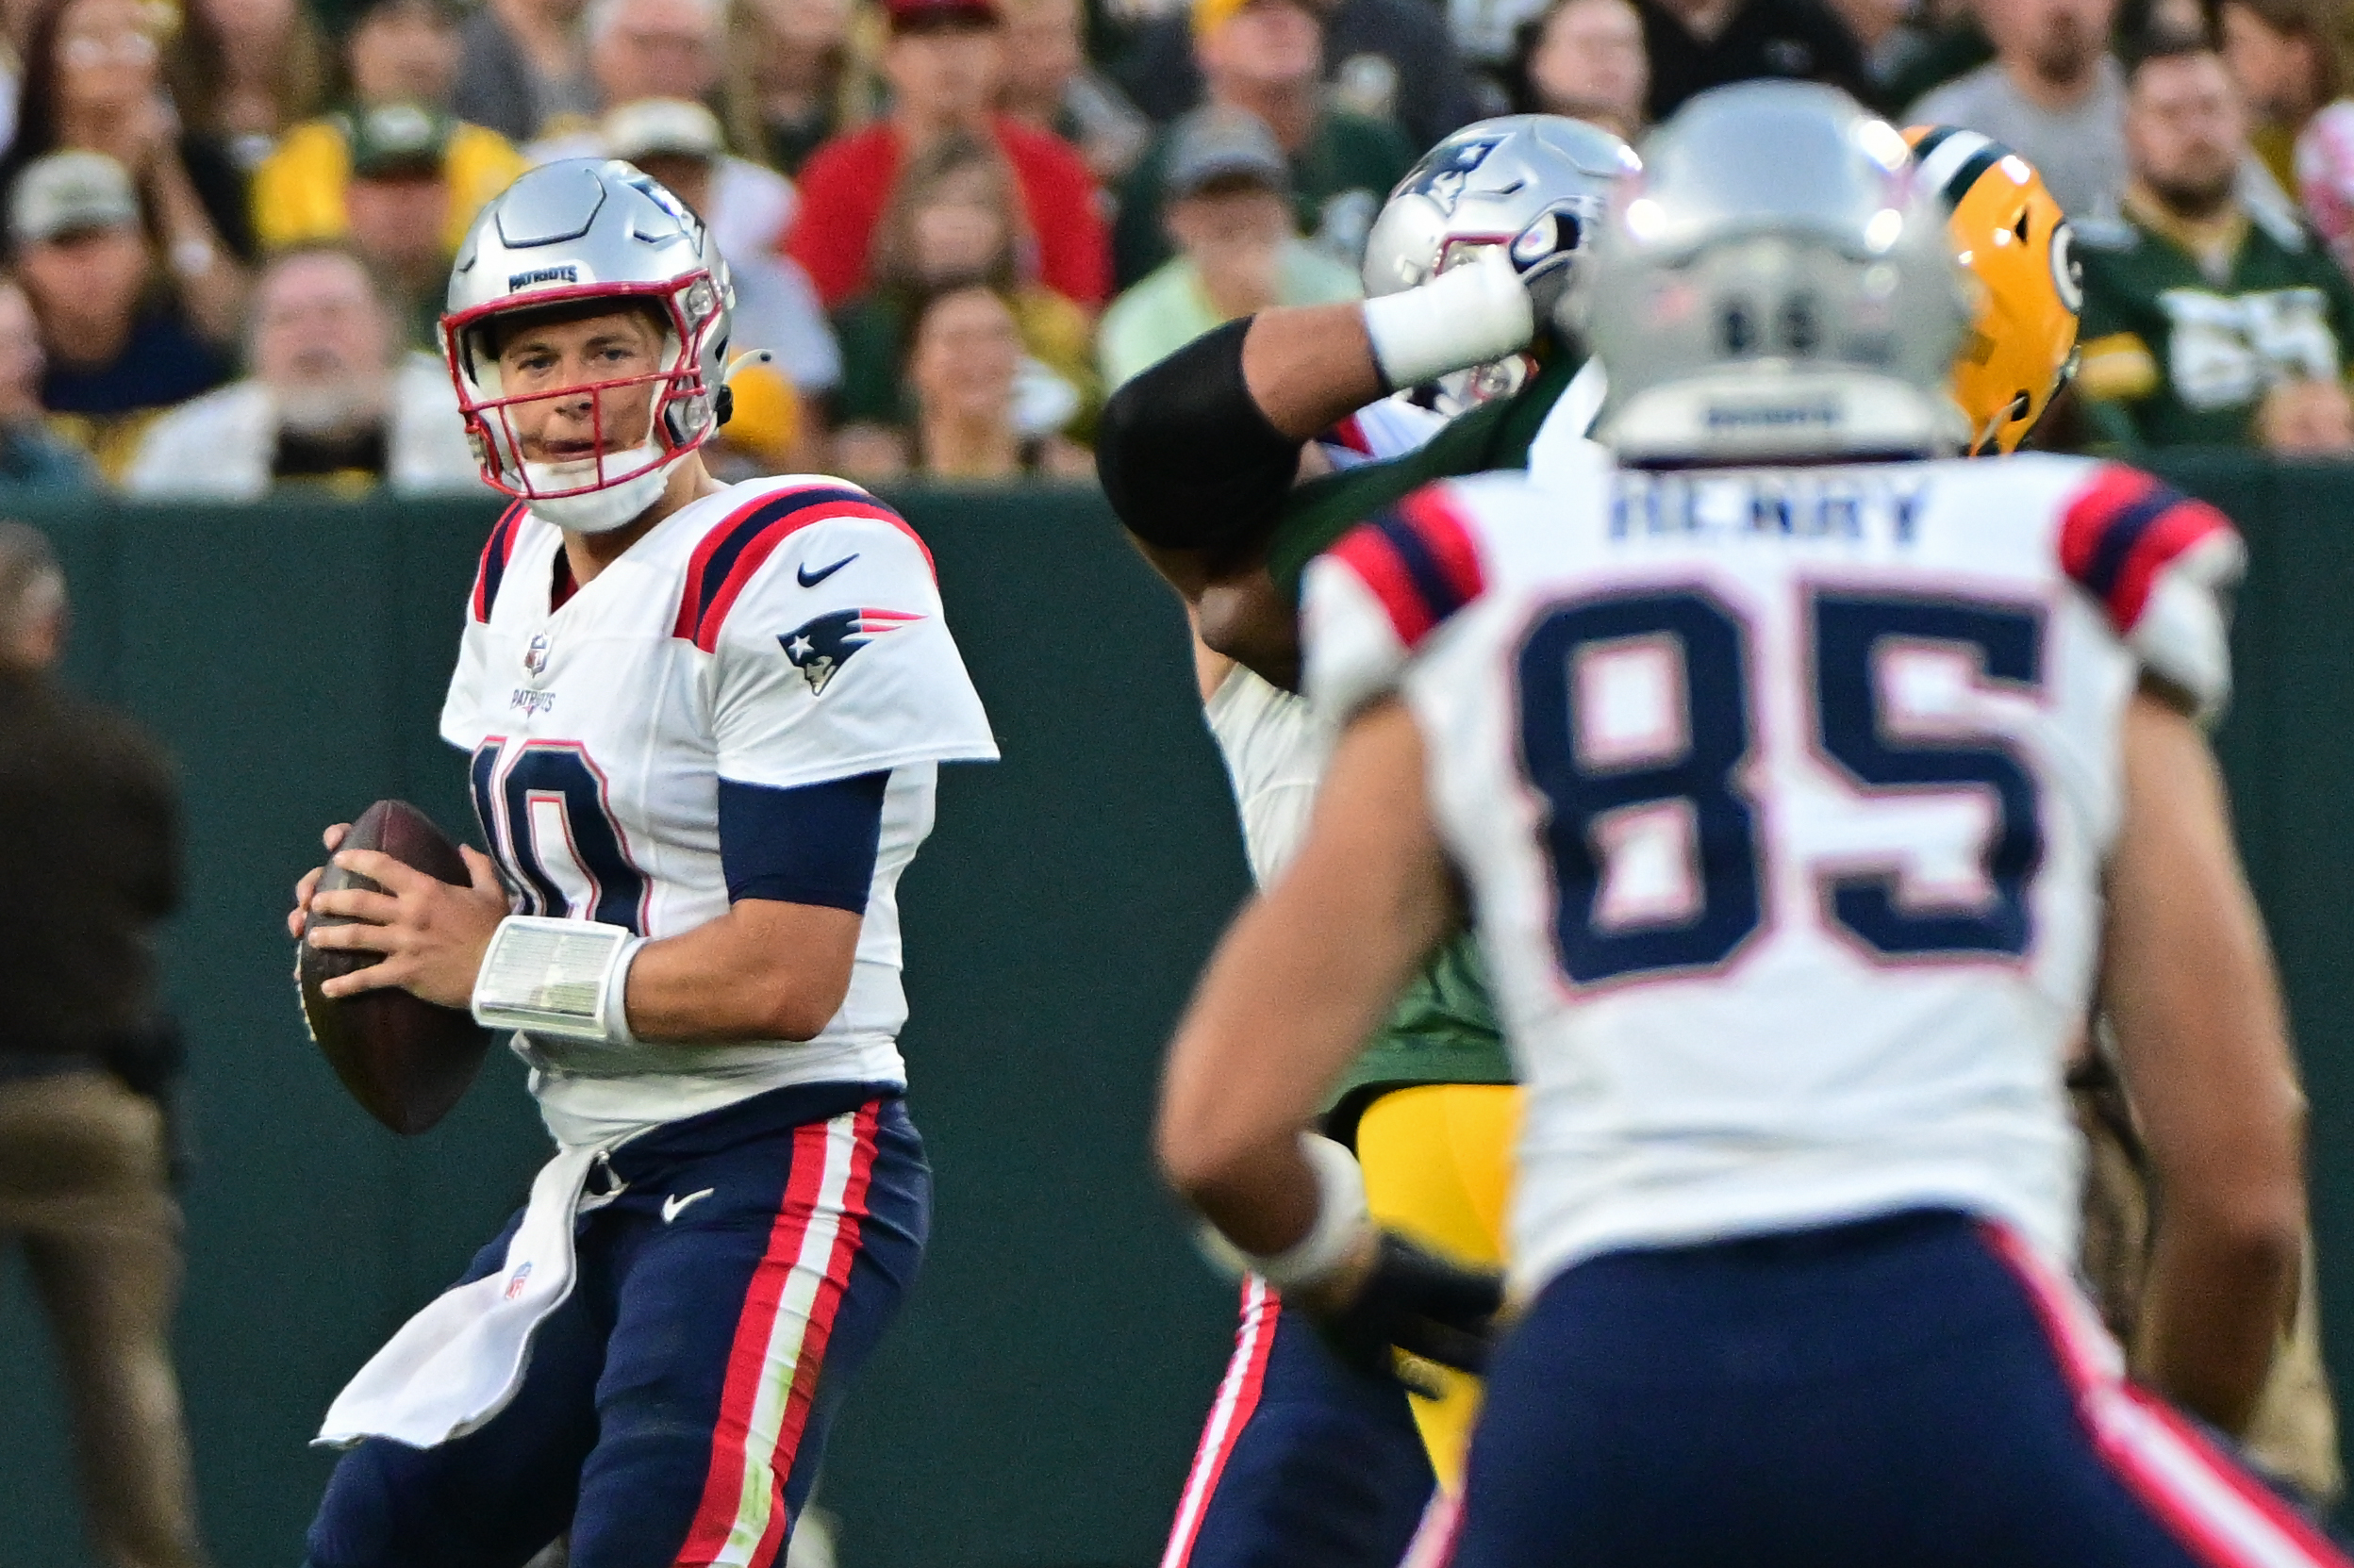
(2206, 320)
(1229, 208)
(1265, 58)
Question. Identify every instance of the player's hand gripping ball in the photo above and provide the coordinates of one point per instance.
(1411, 1299)
(408, 1060)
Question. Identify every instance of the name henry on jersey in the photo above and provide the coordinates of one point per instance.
(1794, 504)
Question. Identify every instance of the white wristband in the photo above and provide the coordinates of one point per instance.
(1465, 315)
(565, 978)
(1341, 1220)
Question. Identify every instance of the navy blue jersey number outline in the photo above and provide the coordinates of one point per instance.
(559, 771)
(1845, 632)
(1714, 643)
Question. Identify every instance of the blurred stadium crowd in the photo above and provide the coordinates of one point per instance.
(956, 223)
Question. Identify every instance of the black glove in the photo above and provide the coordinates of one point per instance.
(1417, 1302)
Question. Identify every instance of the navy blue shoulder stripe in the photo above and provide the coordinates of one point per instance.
(731, 553)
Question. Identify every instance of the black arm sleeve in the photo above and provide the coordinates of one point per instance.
(1187, 456)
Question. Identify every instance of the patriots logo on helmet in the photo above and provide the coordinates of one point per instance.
(1443, 180)
(821, 646)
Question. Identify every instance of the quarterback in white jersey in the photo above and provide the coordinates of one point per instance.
(704, 726)
(1803, 810)
(605, 734)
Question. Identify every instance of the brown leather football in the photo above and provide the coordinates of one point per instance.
(407, 1060)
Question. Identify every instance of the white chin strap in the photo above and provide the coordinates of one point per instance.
(602, 510)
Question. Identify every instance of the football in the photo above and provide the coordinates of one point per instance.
(406, 1061)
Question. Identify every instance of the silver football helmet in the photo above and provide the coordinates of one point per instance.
(589, 229)
(1774, 285)
(1535, 183)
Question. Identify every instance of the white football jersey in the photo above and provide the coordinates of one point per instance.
(1379, 431)
(1275, 747)
(1783, 797)
(783, 632)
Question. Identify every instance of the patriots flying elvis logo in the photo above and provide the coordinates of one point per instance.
(1443, 180)
(821, 646)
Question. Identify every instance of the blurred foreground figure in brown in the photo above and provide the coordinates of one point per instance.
(89, 862)
(2294, 1432)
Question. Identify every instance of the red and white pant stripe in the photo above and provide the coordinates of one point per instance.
(780, 1342)
(2226, 1517)
(1237, 1397)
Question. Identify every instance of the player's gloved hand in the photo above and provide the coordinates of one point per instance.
(1407, 1299)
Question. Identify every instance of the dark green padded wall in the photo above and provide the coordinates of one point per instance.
(1039, 1401)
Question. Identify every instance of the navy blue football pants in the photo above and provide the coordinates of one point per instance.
(1912, 1391)
(1303, 1462)
(677, 1403)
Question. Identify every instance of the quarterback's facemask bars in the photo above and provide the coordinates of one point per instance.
(682, 410)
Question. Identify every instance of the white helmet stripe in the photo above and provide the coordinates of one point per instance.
(1949, 157)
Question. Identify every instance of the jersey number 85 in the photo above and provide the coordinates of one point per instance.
(1598, 797)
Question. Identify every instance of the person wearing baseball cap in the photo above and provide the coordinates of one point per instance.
(672, 52)
(1265, 58)
(680, 144)
(118, 346)
(944, 65)
(400, 55)
(1228, 195)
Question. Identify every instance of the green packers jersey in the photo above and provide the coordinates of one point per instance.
(2176, 352)
(1493, 436)
(1443, 1029)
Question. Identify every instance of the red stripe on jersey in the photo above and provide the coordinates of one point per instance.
(1448, 536)
(1371, 554)
(2123, 530)
(2221, 1514)
(733, 552)
(2114, 491)
(1350, 433)
(496, 552)
(2179, 530)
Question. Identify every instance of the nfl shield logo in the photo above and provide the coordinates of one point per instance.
(515, 1282)
(536, 656)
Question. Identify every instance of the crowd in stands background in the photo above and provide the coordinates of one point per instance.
(956, 224)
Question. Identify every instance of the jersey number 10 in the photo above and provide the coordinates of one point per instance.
(553, 833)
(1698, 777)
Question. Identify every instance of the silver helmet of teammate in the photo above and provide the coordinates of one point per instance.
(1535, 183)
(571, 234)
(1774, 285)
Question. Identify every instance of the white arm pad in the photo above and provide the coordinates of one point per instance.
(1465, 315)
(1341, 1219)
(565, 978)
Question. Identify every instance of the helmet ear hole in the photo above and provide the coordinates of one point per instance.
(2019, 228)
(1735, 328)
(1801, 332)
(724, 406)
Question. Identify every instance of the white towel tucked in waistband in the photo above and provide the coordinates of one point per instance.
(456, 1363)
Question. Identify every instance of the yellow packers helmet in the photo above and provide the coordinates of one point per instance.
(2010, 236)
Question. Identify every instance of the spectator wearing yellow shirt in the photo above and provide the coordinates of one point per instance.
(398, 52)
(397, 206)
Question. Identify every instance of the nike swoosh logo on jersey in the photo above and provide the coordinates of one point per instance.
(673, 1205)
(811, 579)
